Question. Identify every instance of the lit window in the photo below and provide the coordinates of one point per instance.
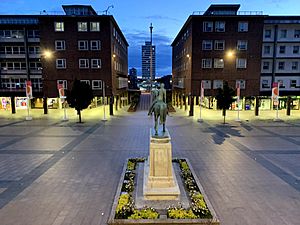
(218, 84)
(242, 45)
(206, 63)
(207, 26)
(206, 45)
(219, 45)
(241, 63)
(95, 26)
(83, 45)
(96, 84)
(83, 63)
(60, 63)
(60, 45)
(95, 45)
(59, 26)
(218, 63)
(82, 26)
(243, 27)
(220, 26)
(96, 63)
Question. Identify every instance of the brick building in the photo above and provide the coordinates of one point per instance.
(218, 46)
(77, 45)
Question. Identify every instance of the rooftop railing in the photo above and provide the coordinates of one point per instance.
(240, 13)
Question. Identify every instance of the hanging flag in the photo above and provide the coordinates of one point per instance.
(238, 89)
(29, 89)
(61, 90)
(275, 92)
(202, 91)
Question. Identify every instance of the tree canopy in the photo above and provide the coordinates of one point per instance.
(80, 97)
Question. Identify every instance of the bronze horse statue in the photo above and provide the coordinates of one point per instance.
(160, 109)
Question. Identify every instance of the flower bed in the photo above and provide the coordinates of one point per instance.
(125, 212)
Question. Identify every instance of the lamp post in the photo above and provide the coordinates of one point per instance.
(47, 55)
(104, 103)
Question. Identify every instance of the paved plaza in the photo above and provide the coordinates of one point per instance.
(66, 173)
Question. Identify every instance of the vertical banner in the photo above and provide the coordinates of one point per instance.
(29, 89)
(238, 90)
(202, 91)
(61, 90)
(275, 93)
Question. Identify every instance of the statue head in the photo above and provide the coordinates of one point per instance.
(162, 85)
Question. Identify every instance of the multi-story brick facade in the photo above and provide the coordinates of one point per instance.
(78, 45)
(218, 46)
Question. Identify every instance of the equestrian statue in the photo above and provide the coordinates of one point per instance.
(159, 107)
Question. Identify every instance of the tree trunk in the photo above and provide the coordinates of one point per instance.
(224, 115)
(288, 107)
(79, 115)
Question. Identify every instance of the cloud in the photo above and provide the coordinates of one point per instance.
(137, 38)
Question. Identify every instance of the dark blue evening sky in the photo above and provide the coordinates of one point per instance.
(135, 16)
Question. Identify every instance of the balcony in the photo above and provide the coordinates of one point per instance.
(12, 56)
(12, 39)
(34, 40)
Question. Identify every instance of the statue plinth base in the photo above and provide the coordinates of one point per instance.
(160, 182)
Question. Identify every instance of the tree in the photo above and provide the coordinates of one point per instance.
(80, 97)
(225, 98)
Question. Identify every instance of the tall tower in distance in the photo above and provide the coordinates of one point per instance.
(146, 57)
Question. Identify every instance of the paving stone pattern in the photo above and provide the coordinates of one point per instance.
(63, 173)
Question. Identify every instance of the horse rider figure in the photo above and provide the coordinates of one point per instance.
(159, 107)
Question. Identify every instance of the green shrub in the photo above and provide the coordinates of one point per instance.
(131, 165)
(145, 213)
(199, 206)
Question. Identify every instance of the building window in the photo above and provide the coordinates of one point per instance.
(85, 81)
(82, 26)
(219, 45)
(33, 33)
(95, 26)
(96, 84)
(206, 63)
(265, 84)
(83, 45)
(297, 34)
(63, 83)
(281, 49)
(206, 45)
(293, 83)
(242, 45)
(267, 49)
(241, 63)
(95, 45)
(243, 27)
(295, 65)
(83, 63)
(60, 45)
(281, 65)
(34, 50)
(266, 65)
(59, 26)
(207, 26)
(220, 26)
(267, 33)
(242, 84)
(218, 84)
(60, 63)
(296, 49)
(96, 63)
(283, 33)
(218, 63)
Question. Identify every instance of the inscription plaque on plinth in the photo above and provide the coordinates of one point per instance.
(159, 179)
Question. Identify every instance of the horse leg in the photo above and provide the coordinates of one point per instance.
(164, 127)
(155, 125)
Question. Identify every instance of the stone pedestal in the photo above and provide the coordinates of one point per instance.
(159, 179)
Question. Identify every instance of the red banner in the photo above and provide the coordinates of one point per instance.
(61, 90)
(28, 89)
